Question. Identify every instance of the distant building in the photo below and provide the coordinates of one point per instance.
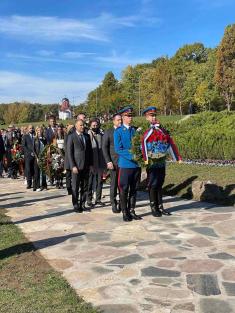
(65, 110)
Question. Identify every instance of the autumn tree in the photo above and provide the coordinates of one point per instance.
(225, 66)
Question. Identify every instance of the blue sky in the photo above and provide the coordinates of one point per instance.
(55, 48)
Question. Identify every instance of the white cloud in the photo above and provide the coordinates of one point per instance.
(53, 57)
(18, 87)
(77, 55)
(120, 60)
(49, 28)
(114, 60)
(45, 53)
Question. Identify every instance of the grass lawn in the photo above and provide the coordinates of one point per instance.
(27, 282)
(179, 179)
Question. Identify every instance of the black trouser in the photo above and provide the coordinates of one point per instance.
(29, 169)
(113, 185)
(37, 175)
(156, 177)
(79, 186)
(68, 179)
(9, 163)
(128, 180)
(1, 165)
(97, 180)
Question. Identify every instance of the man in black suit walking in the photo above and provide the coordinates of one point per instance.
(79, 154)
(29, 155)
(111, 159)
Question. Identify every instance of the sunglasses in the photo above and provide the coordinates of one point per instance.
(128, 115)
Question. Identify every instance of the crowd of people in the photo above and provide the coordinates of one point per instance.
(89, 155)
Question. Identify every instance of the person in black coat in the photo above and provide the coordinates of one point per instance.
(50, 132)
(29, 155)
(111, 159)
(79, 153)
(39, 178)
(2, 152)
(69, 131)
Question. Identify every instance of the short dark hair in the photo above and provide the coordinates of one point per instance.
(116, 114)
(94, 119)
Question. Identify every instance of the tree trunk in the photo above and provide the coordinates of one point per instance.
(181, 109)
(228, 101)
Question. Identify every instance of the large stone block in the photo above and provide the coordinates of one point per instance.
(206, 191)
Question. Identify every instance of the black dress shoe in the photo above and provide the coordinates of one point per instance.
(77, 208)
(163, 211)
(156, 213)
(116, 209)
(127, 218)
(99, 203)
(84, 208)
(28, 187)
(134, 216)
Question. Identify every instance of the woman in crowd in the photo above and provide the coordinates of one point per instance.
(58, 141)
(39, 178)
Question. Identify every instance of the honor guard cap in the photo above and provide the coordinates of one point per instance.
(126, 110)
(149, 110)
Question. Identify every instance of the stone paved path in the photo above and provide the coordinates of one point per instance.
(175, 264)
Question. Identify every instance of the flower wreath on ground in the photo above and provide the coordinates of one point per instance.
(51, 160)
(151, 146)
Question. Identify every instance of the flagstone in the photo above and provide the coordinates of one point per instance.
(200, 266)
(118, 244)
(129, 259)
(203, 284)
(200, 242)
(99, 255)
(97, 236)
(207, 231)
(188, 306)
(171, 264)
(215, 306)
(221, 256)
(118, 308)
(212, 218)
(226, 227)
(229, 273)
(229, 288)
(166, 292)
(159, 272)
(166, 263)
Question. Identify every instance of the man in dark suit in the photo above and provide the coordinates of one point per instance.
(51, 130)
(70, 129)
(2, 152)
(79, 153)
(29, 155)
(111, 159)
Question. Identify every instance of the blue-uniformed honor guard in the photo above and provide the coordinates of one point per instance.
(129, 170)
(156, 144)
